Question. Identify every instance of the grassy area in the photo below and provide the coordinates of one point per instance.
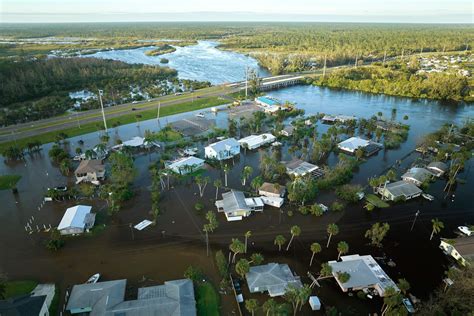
(16, 288)
(53, 308)
(207, 300)
(8, 181)
(376, 201)
(122, 120)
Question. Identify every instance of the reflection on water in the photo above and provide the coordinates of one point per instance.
(202, 62)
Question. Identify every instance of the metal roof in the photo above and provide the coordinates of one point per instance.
(224, 145)
(353, 143)
(75, 217)
(400, 188)
(187, 161)
(418, 174)
(271, 277)
(234, 201)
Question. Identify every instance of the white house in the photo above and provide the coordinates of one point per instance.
(255, 141)
(399, 190)
(352, 144)
(438, 168)
(185, 165)
(90, 171)
(223, 149)
(417, 175)
(461, 249)
(300, 168)
(76, 220)
(235, 206)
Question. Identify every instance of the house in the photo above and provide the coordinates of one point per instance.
(272, 190)
(235, 206)
(256, 141)
(76, 220)
(287, 130)
(273, 278)
(267, 102)
(461, 249)
(35, 303)
(438, 168)
(331, 119)
(136, 142)
(173, 298)
(365, 273)
(222, 150)
(299, 168)
(352, 144)
(399, 190)
(185, 165)
(91, 171)
(417, 175)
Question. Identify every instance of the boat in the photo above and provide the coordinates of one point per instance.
(93, 279)
(214, 109)
(427, 196)
(408, 305)
(200, 114)
(466, 230)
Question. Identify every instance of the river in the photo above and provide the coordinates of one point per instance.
(202, 62)
(163, 252)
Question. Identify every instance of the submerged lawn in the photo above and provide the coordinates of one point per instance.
(8, 181)
(207, 300)
(16, 288)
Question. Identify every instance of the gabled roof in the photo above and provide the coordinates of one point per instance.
(299, 166)
(353, 143)
(187, 161)
(272, 277)
(438, 165)
(400, 188)
(75, 216)
(90, 166)
(224, 144)
(24, 305)
(234, 201)
(272, 188)
(418, 174)
(255, 140)
(465, 246)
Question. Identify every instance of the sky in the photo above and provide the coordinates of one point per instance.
(403, 11)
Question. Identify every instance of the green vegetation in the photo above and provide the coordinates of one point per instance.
(16, 288)
(165, 49)
(207, 300)
(376, 201)
(9, 181)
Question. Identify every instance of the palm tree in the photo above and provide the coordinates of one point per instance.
(325, 272)
(256, 183)
(377, 233)
(437, 226)
(332, 229)
(280, 240)
(247, 236)
(217, 184)
(270, 306)
(342, 248)
(242, 267)
(315, 248)
(403, 285)
(236, 247)
(256, 258)
(295, 231)
(246, 173)
(251, 305)
(226, 169)
(391, 175)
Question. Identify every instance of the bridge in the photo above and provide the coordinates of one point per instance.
(273, 82)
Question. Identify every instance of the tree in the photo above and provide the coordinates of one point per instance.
(303, 294)
(256, 183)
(247, 235)
(403, 285)
(270, 307)
(280, 240)
(201, 183)
(332, 230)
(295, 232)
(377, 233)
(246, 173)
(342, 248)
(316, 210)
(55, 241)
(226, 169)
(256, 258)
(359, 153)
(343, 277)
(291, 295)
(325, 272)
(221, 264)
(217, 185)
(252, 305)
(3, 286)
(236, 247)
(242, 267)
(193, 273)
(315, 248)
(437, 226)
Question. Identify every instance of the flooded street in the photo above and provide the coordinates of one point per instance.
(163, 252)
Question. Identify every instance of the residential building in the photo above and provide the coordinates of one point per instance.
(399, 190)
(299, 168)
(461, 249)
(173, 298)
(24, 305)
(417, 175)
(256, 141)
(222, 150)
(272, 190)
(352, 144)
(235, 206)
(287, 131)
(92, 171)
(365, 273)
(267, 102)
(438, 168)
(330, 119)
(185, 165)
(136, 142)
(274, 278)
(76, 220)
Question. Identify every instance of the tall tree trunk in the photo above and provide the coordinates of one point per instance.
(245, 244)
(432, 234)
(311, 261)
(289, 244)
(329, 240)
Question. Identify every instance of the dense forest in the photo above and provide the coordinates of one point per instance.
(397, 79)
(31, 90)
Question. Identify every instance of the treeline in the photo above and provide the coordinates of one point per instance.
(399, 82)
(31, 90)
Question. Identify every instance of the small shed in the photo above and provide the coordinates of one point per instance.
(315, 303)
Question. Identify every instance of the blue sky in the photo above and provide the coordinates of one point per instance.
(415, 11)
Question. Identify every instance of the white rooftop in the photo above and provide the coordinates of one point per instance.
(353, 143)
(224, 144)
(254, 141)
(187, 161)
(75, 217)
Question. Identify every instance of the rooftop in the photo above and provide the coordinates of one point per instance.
(234, 201)
(76, 216)
(271, 277)
(353, 143)
(400, 188)
(224, 144)
(272, 188)
(187, 161)
(438, 165)
(465, 246)
(300, 167)
(418, 174)
(257, 140)
(269, 101)
(24, 305)
(90, 166)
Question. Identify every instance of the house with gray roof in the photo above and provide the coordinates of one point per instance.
(399, 190)
(461, 249)
(174, 298)
(417, 175)
(222, 150)
(438, 168)
(24, 305)
(273, 278)
(299, 168)
(364, 272)
(235, 205)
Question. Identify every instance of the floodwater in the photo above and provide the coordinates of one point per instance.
(163, 252)
(202, 62)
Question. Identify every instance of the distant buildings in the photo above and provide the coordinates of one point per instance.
(364, 272)
(173, 298)
(185, 165)
(299, 168)
(76, 220)
(352, 144)
(331, 119)
(256, 141)
(274, 278)
(92, 171)
(222, 150)
(399, 190)
(235, 206)
(461, 249)
(417, 175)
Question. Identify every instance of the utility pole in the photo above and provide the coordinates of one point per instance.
(158, 113)
(102, 107)
(131, 230)
(324, 68)
(414, 220)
